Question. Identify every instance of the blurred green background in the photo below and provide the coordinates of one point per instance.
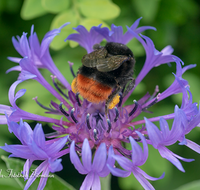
(177, 23)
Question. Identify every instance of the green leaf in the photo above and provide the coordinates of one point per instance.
(64, 17)
(32, 9)
(55, 6)
(15, 167)
(90, 22)
(99, 9)
(7, 182)
(194, 185)
(146, 8)
(73, 44)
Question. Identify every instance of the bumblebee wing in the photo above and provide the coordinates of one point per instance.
(111, 63)
(90, 60)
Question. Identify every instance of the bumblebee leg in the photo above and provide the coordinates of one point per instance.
(129, 87)
(110, 99)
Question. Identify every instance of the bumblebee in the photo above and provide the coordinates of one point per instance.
(106, 72)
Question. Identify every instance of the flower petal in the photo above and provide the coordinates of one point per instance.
(43, 166)
(38, 136)
(105, 171)
(124, 162)
(99, 160)
(88, 181)
(96, 185)
(192, 145)
(75, 160)
(154, 134)
(55, 166)
(86, 155)
(148, 176)
(164, 128)
(167, 154)
(118, 172)
(43, 180)
(56, 146)
(145, 183)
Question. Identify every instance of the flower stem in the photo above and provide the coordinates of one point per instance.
(106, 182)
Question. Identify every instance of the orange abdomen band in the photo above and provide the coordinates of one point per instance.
(92, 90)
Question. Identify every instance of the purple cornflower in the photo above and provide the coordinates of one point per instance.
(86, 125)
(94, 170)
(34, 147)
(138, 160)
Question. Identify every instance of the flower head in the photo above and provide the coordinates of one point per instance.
(98, 168)
(35, 147)
(132, 166)
(90, 129)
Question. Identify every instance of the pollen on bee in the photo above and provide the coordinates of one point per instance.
(92, 90)
(114, 102)
(73, 86)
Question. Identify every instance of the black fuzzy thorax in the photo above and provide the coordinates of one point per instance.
(118, 49)
(113, 78)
